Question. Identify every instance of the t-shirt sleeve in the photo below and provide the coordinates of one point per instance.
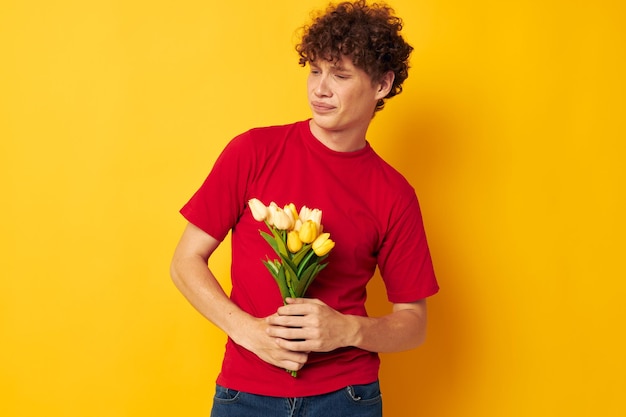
(219, 202)
(404, 259)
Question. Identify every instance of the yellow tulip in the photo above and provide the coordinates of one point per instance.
(308, 231)
(282, 220)
(258, 209)
(278, 218)
(305, 213)
(271, 213)
(294, 244)
(291, 208)
(323, 244)
(314, 215)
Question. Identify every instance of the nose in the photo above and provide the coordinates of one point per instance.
(321, 87)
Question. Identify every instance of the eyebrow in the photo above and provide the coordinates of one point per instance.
(337, 65)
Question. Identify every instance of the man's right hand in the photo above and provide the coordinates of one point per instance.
(254, 337)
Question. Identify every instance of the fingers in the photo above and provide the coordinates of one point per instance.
(307, 325)
(304, 346)
(295, 301)
(300, 307)
(266, 348)
(293, 333)
(279, 356)
(293, 361)
(293, 321)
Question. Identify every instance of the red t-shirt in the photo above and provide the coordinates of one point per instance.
(369, 209)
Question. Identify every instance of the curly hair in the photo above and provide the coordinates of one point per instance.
(369, 35)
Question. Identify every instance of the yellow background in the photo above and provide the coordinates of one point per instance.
(511, 128)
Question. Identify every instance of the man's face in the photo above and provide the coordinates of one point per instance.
(342, 97)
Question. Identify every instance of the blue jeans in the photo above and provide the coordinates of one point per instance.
(352, 401)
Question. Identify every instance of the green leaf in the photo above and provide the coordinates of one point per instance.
(281, 247)
(309, 259)
(316, 268)
(289, 264)
(281, 280)
(321, 258)
(269, 239)
(307, 277)
(292, 282)
(290, 273)
(271, 266)
(297, 258)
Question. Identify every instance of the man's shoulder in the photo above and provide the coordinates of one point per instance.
(259, 138)
(390, 173)
(275, 131)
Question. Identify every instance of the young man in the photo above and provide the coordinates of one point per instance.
(357, 59)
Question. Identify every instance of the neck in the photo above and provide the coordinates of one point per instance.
(340, 140)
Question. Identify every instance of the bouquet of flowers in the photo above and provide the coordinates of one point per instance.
(299, 242)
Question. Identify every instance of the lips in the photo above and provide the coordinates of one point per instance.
(321, 107)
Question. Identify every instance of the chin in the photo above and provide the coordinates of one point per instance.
(325, 122)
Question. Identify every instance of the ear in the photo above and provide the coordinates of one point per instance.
(385, 85)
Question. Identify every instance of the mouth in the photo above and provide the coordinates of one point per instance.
(321, 107)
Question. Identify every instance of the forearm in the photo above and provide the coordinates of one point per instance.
(311, 325)
(197, 283)
(403, 329)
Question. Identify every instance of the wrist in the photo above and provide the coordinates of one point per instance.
(247, 332)
(355, 330)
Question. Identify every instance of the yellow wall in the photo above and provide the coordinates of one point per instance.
(511, 128)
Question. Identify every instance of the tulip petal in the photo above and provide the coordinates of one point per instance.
(308, 231)
(294, 244)
(258, 209)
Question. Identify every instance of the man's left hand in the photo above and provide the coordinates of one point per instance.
(310, 325)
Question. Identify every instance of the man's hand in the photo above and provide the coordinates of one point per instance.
(257, 339)
(309, 325)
